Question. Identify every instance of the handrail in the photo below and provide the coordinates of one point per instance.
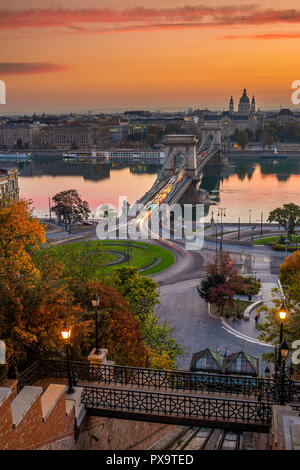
(159, 379)
(167, 404)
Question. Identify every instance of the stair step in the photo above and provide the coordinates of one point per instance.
(4, 394)
(70, 404)
(23, 402)
(50, 398)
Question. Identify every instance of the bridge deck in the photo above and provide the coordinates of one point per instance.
(176, 408)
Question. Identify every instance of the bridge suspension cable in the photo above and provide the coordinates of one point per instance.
(181, 166)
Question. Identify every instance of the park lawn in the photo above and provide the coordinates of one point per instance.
(270, 240)
(241, 305)
(139, 257)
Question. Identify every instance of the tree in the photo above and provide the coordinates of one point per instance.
(287, 216)
(209, 282)
(120, 329)
(141, 293)
(69, 207)
(221, 295)
(20, 235)
(222, 264)
(270, 328)
(32, 313)
(242, 138)
(290, 274)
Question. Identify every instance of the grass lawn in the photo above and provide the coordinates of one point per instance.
(140, 254)
(241, 306)
(270, 240)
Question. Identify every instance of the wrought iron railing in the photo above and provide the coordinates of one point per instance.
(30, 375)
(157, 379)
(191, 406)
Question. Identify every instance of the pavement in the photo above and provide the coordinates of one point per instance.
(184, 310)
(187, 314)
(248, 327)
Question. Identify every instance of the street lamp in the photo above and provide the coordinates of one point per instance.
(221, 212)
(214, 226)
(95, 304)
(282, 313)
(284, 351)
(66, 334)
(267, 372)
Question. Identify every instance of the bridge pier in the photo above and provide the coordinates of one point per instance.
(195, 195)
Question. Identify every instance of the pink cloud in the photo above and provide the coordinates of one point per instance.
(145, 19)
(267, 36)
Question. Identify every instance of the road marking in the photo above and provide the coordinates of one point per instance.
(234, 332)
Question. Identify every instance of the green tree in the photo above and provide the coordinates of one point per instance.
(208, 283)
(69, 207)
(242, 138)
(269, 330)
(141, 293)
(287, 216)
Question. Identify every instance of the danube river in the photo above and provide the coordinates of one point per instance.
(245, 188)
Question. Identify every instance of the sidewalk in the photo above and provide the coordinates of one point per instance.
(248, 327)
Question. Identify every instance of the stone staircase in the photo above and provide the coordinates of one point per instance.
(35, 417)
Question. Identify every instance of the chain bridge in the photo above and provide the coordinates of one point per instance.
(185, 158)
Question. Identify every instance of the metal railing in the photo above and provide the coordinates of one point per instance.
(168, 405)
(29, 376)
(139, 377)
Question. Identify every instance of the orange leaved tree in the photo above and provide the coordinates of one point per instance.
(20, 235)
(120, 330)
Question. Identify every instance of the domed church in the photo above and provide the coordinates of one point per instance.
(244, 105)
(246, 117)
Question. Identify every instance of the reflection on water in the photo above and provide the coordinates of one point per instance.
(246, 188)
(240, 187)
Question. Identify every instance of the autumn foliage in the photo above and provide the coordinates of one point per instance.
(37, 300)
(20, 235)
(121, 332)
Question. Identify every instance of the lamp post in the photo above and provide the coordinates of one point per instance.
(267, 372)
(66, 334)
(282, 313)
(284, 351)
(95, 304)
(214, 226)
(221, 212)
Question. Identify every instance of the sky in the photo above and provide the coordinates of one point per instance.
(100, 55)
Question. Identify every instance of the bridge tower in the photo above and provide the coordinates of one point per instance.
(211, 133)
(184, 145)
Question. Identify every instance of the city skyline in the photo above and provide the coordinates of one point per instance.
(104, 57)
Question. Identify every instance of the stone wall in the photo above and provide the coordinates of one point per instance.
(112, 434)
